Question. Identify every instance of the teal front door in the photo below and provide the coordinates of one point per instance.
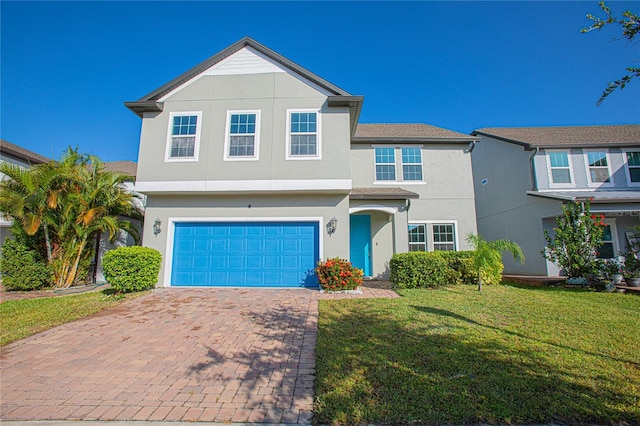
(360, 235)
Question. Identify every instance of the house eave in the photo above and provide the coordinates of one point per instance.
(412, 140)
(354, 103)
(140, 107)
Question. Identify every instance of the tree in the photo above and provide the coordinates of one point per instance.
(487, 258)
(630, 23)
(74, 200)
(578, 236)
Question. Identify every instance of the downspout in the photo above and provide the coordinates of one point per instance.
(534, 177)
(470, 148)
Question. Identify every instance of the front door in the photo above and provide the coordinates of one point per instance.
(360, 235)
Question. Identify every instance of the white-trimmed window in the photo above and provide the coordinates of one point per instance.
(598, 167)
(559, 168)
(242, 138)
(385, 164)
(632, 159)
(444, 237)
(432, 236)
(417, 237)
(183, 136)
(609, 247)
(303, 134)
(411, 164)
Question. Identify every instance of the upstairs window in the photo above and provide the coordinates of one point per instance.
(242, 137)
(385, 164)
(411, 164)
(560, 168)
(184, 135)
(633, 166)
(303, 134)
(598, 165)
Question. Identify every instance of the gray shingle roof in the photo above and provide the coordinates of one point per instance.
(381, 193)
(415, 131)
(20, 153)
(128, 167)
(566, 136)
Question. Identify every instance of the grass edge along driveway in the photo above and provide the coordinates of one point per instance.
(23, 318)
(455, 356)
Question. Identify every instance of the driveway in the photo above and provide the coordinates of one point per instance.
(215, 355)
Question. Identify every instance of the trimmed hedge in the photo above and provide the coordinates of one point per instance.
(421, 269)
(130, 269)
(22, 269)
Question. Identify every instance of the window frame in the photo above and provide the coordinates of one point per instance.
(552, 184)
(626, 165)
(196, 145)
(429, 234)
(398, 164)
(394, 164)
(455, 247)
(402, 148)
(256, 137)
(614, 237)
(426, 239)
(588, 168)
(318, 133)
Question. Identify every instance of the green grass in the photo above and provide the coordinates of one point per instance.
(456, 356)
(22, 318)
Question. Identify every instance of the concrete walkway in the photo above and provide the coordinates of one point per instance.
(209, 355)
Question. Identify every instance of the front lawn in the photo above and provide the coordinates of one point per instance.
(455, 355)
(22, 318)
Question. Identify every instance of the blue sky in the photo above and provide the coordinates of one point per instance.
(67, 67)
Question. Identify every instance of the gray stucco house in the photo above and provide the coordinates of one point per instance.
(524, 175)
(255, 168)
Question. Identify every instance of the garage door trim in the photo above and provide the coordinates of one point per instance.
(172, 226)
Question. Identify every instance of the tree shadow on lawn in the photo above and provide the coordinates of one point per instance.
(373, 368)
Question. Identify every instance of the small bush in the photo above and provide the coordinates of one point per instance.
(338, 274)
(22, 268)
(420, 269)
(130, 269)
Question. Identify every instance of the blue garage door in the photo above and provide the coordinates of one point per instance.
(273, 254)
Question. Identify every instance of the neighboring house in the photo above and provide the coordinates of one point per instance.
(523, 176)
(255, 168)
(11, 153)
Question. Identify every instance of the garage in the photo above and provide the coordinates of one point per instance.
(245, 254)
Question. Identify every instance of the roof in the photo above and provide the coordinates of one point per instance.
(366, 133)
(340, 98)
(566, 136)
(381, 193)
(21, 153)
(127, 167)
(595, 197)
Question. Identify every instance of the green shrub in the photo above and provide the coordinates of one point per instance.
(338, 274)
(130, 269)
(462, 261)
(22, 268)
(422, 270)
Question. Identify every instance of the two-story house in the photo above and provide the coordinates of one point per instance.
(255, 168)
(523, 176)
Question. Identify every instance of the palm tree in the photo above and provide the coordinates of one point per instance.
(74, 200)
(488, 255)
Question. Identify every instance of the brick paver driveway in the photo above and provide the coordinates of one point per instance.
(221, 355)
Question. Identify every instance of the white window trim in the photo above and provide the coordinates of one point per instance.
(626, 165)
(429, 228)
(397, 156)
(395, 166)
(550, 174)
(402, 164)
(171, 226)
(318, 133)
(426, 235)
(256, 140)
(196, 144)
(586, 164)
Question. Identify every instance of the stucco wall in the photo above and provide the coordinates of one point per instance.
(249, 208)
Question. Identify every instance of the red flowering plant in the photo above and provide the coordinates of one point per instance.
(338, 274)
(576, 240)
